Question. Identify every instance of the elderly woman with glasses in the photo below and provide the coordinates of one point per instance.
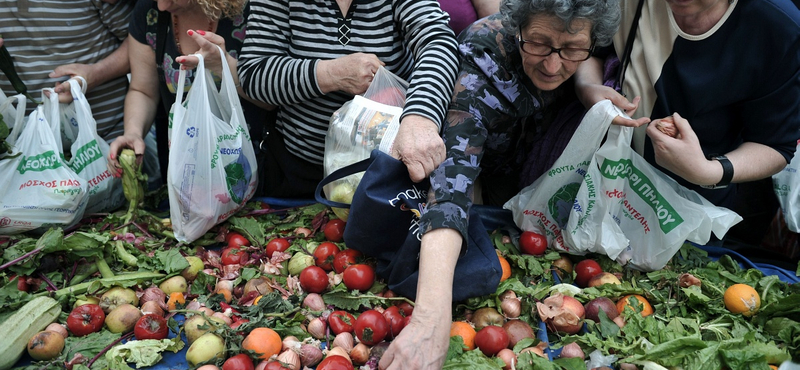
(512, 112)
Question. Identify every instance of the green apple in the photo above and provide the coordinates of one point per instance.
(195, 266)
(205, 348)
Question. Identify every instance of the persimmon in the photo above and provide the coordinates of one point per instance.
(465, 331)
(743, 299)
(624, 302)
(175, 298)
(265, 342)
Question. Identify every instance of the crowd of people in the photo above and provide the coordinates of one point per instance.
(496, 89)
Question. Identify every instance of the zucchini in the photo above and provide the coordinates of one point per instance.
(22, 325)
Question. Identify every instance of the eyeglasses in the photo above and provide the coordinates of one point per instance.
(543, 50)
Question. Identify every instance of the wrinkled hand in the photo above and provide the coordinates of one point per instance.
(591, 94)
(208, 42)
(682, 154)
(71, 70)
(134, 142)
(422, 345)
(419, 145)
(352, 73)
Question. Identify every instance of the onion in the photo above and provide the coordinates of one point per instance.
(316, 327)
(339, 351)
(314, 302)
(290, 342)
(290, 359)
(510, 307)
(154, 293)
(152, 307)
(310, 355)
(572, 350)
(343, 340)
(360, 354)
(507, 294)
(508, 357)
(58, 328)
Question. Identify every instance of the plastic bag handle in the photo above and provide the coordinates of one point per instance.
(343, 172)
(19, 119)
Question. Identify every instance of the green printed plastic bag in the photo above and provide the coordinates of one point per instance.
(632, 212)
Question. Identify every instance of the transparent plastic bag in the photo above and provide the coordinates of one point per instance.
(365, 123)
(787, 188)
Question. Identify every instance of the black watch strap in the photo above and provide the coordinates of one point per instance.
(727, 172)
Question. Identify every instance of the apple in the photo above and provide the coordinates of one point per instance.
(82, 300)
(593, 307)
(117, 296)
(123, 318)
(175, 284)
(603, 278)
(45, 345)
(205, 348)
(195, 266)
(191, 327)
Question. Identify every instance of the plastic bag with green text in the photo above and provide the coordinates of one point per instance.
(634, 213)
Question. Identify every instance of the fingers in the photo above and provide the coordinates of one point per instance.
(628, 122)
(386, 359)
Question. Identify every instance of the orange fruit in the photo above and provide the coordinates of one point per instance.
(175, 298)
(743, 299)
(623, 302)
(464, 330)
(773, 367)
(505, 265)
(263, 341)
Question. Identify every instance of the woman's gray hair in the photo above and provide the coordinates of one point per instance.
(603, 14)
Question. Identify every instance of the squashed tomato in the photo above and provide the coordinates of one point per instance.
(151, 326)
(86, 319)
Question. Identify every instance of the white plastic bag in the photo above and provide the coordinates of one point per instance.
(39, 190)
(634, 213)
(787, 189)
(544, 206)
(365, 123)
(212, 165)
(89, 153)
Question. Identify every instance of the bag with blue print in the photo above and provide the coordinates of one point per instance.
(212, 168)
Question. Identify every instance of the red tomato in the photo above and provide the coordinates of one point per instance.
(236, 240)
(277, 245)
(238, 362)
(358, 277)
(533, 243)
(334, 230)
(345, 258)
(323, 255)
(396, 321)
(313, 279)
(491, 339)
(585, 270)
(341, 321)
(86, 319)
(405, 308)
(335, 363)
(234, 255)
(371, 327)
(151, 326)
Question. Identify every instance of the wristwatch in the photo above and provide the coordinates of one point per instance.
(727, 172)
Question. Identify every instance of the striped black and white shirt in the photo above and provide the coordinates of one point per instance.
(287, 38)
(41, 35)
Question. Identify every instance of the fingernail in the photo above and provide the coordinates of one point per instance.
(190, 32)
(201, 32)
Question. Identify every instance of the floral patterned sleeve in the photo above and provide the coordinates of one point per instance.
(479, 119)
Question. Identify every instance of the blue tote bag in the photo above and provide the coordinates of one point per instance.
(384, 224)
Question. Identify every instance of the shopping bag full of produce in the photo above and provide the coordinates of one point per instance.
(544, 206)
(632, 212)
(369, 121)
(212, 165)
(39, 189)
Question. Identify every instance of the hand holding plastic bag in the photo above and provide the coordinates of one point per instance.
(212, 165)
(365, 123)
